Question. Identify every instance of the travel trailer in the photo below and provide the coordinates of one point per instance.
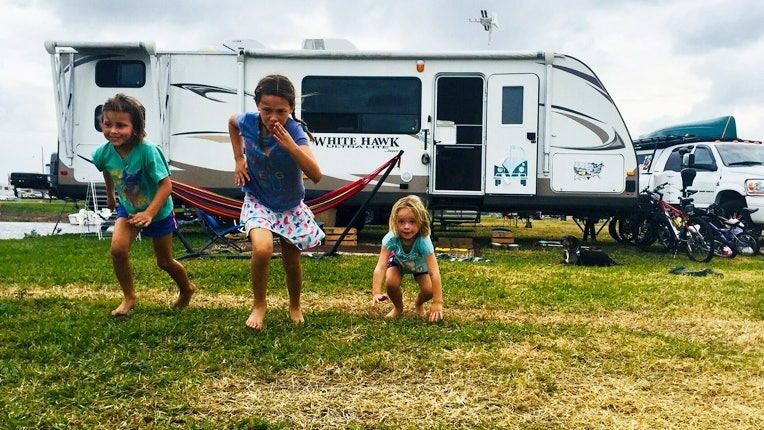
(492, 131)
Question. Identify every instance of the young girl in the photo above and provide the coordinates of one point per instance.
(407, 248)
(138, 171)
(271, 151)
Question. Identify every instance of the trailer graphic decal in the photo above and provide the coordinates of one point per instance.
(586, 170)
(513, 167)
(203, 90)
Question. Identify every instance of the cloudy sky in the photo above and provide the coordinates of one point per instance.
(663, 61)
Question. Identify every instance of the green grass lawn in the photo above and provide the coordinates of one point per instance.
(526, 343)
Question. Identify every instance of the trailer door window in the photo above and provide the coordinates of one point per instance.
(380, 105)
(120, 74)
(512, 105)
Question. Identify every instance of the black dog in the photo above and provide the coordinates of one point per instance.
(574, 253)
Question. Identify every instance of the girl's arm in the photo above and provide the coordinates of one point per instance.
(379, 276)
(143, 218)
(302, 154)
(111, 203)
(436, 309)
(240, 174)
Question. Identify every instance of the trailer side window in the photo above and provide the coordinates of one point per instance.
(120, 74)
(512, 105)
(97, 118)
(380, 105)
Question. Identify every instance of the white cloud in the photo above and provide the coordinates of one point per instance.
(662, 61)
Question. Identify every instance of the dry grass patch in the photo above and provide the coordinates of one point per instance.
(534, 388)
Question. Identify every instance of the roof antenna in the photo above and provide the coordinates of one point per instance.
(488, 22)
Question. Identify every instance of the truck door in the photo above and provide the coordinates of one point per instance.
(707, 176)
(511, 134)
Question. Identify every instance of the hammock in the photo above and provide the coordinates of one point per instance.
(227, 207)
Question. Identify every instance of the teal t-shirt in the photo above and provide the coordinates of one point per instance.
(413, 261)
(136, 177)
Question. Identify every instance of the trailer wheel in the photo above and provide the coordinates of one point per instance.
(345, 215)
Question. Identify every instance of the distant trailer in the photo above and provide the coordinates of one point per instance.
(490, 130)
(37, 181)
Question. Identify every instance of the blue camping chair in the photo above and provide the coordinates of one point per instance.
(217, 233)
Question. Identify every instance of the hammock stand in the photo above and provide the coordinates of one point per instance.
(230, 208)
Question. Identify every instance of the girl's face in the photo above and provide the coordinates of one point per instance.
(117, 128)
(273, 109)
(407, 225)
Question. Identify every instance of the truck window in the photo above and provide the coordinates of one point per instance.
(704, 159)
(120, 74)
(674, 161)
(377, 105)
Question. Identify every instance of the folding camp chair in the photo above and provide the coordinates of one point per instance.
(218, 235)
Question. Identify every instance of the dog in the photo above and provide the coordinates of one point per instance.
(574, 253)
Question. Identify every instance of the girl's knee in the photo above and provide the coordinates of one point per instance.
(166, 264)
(262, 253)
(392, 284)
(119, 251)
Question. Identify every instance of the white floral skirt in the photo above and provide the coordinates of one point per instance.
(297, 225)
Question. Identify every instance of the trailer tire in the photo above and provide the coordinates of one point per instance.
(345, 215)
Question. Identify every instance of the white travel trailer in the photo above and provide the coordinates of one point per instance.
(498, 131)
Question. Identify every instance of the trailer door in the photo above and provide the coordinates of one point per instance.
(458, 135)
(511, 134)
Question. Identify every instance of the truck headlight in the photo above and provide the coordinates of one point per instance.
(754, 187)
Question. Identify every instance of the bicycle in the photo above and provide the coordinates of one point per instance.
(732, 232)
(676, 228)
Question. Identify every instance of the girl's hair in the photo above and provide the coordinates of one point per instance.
(421, 215)
(281, 86)
(130, 105)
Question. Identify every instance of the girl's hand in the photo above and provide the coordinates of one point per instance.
(282, 136)
(378, 298)
(436, 312)
(240, 174)
(141, 219)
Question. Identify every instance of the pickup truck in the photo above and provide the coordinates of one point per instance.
(730, 171)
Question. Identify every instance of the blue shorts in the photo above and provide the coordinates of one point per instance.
(392, 262)
(157, 228)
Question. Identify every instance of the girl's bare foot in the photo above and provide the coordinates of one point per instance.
(296, 315)
(184, 297)
(419, 309)
(124, 307)
(255, 320)
(395, 313)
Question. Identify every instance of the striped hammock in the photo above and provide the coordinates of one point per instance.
(227, 207)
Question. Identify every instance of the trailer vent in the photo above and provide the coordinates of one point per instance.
(328, 45)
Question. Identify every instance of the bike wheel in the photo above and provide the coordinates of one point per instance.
(646, 233)
(666, 237)
(746, 244)
(698, 240)
(724, 249)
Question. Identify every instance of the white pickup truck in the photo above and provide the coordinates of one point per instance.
(730, 171)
